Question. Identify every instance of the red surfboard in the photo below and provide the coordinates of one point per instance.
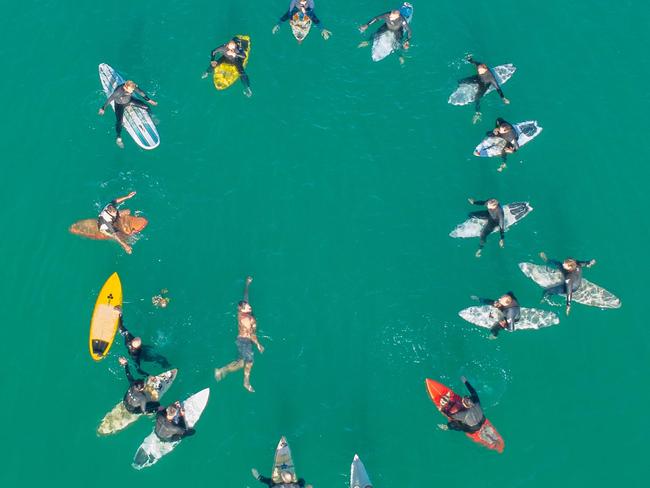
(128, 225)
(487, 435)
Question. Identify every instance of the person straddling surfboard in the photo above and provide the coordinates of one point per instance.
(303, 8)
(137, 351)
(170, 423)
(484, 78)
(465, 413)
(395, 22)
(122, 96)
(506, 131)
(495, 218)
(137, 398)
(571, 270)
(287, 480)
(234, 54)
(246, 338)
(108, 221)
(508, 305)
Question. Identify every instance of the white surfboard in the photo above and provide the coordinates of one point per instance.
(300, 26)
(487, 316)
(153, 449)
(358, 475)
(120, 418)
(587, 294)
(472, 227)
(386, 43)
(283, 461)
(493, 146)
(466, 92)
(136, 120)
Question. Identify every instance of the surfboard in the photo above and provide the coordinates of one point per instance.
(466, 93)
(226, 74)
(587, 294)
(153, 449)
(283, 462)
(487, 316)
(104, 321)
(385, 43)
(493, 146)
(300, 26)
(119, 418)
(358, 475)
(136, 120)
(487, 435)
(472, 227)
(127, 225)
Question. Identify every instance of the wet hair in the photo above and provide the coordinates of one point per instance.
(139, 384)
(242, 303)
(492, 202)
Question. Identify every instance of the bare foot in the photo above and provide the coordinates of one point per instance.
(363, 44)
(218, 374)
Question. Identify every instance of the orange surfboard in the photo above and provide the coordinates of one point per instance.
(128, 225)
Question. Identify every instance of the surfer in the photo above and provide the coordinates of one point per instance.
(506, 131)
(137, 351)
(465, 413)
(137, 398)
(484, 78)
(123, 96)
(170, 423)
(287, 480)
(246, 337)
(108, 221)
(302, 8)
(571, 270)
(509, 307)
(233, 54)
(394, 22)
(495, 218)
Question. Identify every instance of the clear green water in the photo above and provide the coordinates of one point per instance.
(335, 186)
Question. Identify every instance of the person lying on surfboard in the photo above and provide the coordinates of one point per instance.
(287, 479)
(170, 423)
(245, 339)
(465, 412)
(394, 21)
(509, 307)
(137, 399)
(233, 54)
(495, 218)
(484, 78)
(571, 270)
(303, 8)
(137, 351)
(108, 221)
(506, 131)
(123, 96)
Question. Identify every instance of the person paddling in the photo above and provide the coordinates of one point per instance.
(302, 8)
(485, 79)
(495, 218)
(571, 270)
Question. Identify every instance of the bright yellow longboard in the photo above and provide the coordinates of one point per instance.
(225, 74)
(105, 320)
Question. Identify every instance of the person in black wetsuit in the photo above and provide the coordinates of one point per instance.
(509, 307)
(136, 399)
(233, 52)
(302, 7)
(137, 351)
(571, 270)
(395, 22)
(108, 221)
(506, 131)
(495, 218)
(287, 480)
(123, 96)
(170, 423)
(484, 78)
(465, 413)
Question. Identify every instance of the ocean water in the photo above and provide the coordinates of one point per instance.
(335, 186)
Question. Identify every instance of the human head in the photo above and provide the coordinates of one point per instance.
(232, 45)
(467, 403)
(394, 15)
(136, 343)
(139, 385)
(245, 307)
(171, 411)
(492, 203)
(129, 86)
(302, 3)
(569, 264)
(505, 300)
(482, 69)
(286, 476)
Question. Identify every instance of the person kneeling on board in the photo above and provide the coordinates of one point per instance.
(485, 79)
(233, 54)
(287, 480)
(509, 307)
(109, 218)
(495, 218)
(122, 97)
(571, 270)
(170, 423)
(304, 7)
(137, 351)
(136, 400)
(465, 413)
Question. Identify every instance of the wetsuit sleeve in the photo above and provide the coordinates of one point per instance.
(472, 392)
(117, 92)
(301, 483)
(265, 480)
(510, 319)
(129, 376)
(458, 425)
(479, 202)
(287, 15)
(242, 74)
(151, 407)
(486, 301)
(554, 262)
(314, 19)
(379, 17)
(495, 84)
(474, 62)
(502, 223)
(407, 27)
(217, 50)
(583, 263)
(142, 94)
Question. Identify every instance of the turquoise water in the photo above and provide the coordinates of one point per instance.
(335, 186)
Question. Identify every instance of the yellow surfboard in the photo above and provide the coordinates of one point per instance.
(225, 74)
(105, 320)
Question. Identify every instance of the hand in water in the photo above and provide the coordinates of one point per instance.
(471, 201)
(260, 347)
(478, 253)
(502, 167)
(362, 28)
(568, 310)
(101, 111)
(543, 256)
(326, 34)
(407, 45)
(506, 101)
(255, 473)
(122, 360)
(474, 297)
(119, 143)
(153, 102)
(363, 44)
(204, 75)
(443, 427)
(476, 118)
(248, 92)
(469, 57)
(401, 60)
(591, 263)
(501, 243)
(275, 29)
(492, 337)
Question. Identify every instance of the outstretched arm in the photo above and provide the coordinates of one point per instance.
(124, 198)
(125, 364)
(383, 16)
(114, 95)
(249, 280)
(472, 392)
(218, 50)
